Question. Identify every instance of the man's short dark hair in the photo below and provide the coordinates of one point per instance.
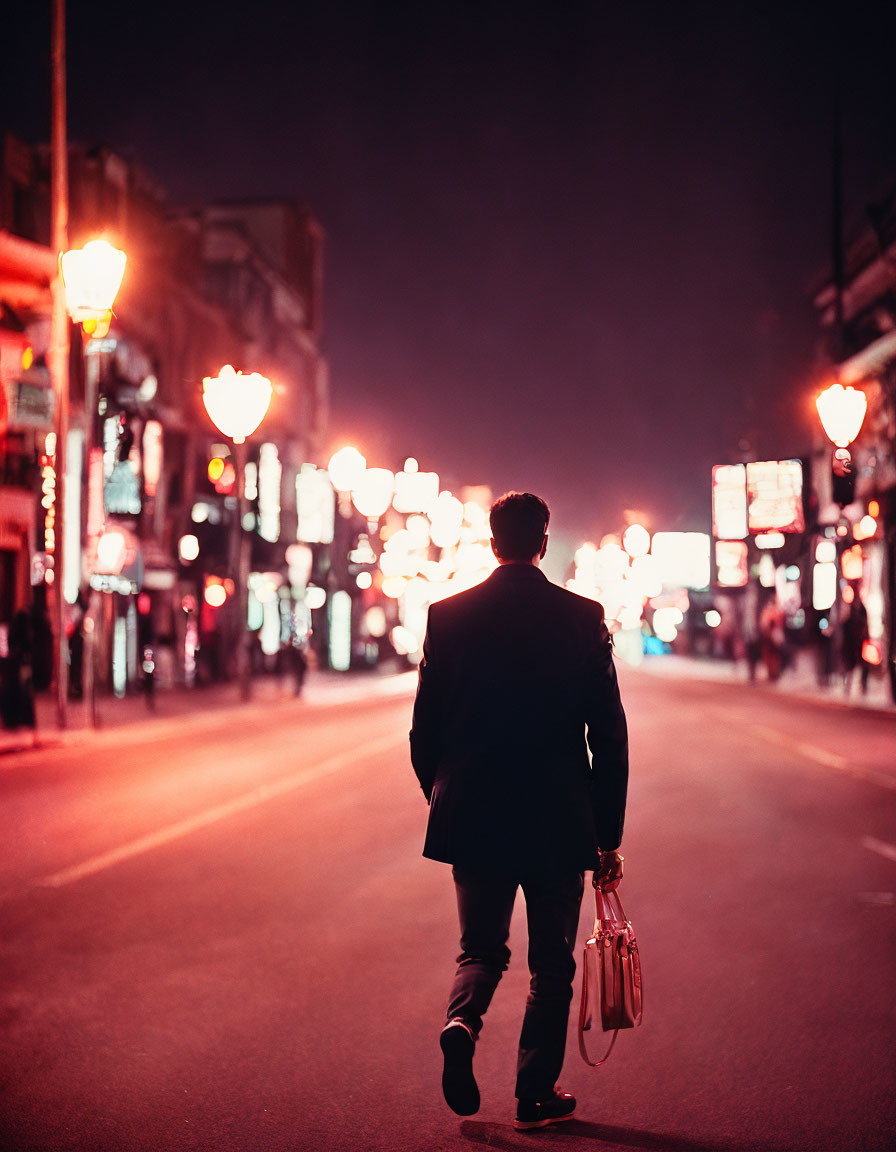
(519, 521)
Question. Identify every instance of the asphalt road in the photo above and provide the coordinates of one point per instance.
(219, 933)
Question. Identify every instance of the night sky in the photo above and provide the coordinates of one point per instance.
(570, 247)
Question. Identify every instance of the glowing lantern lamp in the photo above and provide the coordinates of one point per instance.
(636, 540)
(346, 468)
(841, 411)
(236, 403)
(373, 492)
(92, 276)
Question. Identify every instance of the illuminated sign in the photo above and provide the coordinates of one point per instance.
(731, 563)
(824, 586)
(121, 492)
(315, 506)
(48, 499)
(681, 559)
(775, 496)
(269, 473)
(96, 516)
(415, 491)
(152, 456)
(729, 502)
(852, 563)
(340, 631)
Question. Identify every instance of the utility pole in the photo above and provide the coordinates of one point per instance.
(837, 260)
(59, 343)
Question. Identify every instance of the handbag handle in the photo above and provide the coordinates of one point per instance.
(607, 906)
(604, 901)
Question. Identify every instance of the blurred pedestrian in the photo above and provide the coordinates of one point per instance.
(297, 663)
(514, 671)
(76, 649)
(853, 634)
(772, 637)
(146, 638)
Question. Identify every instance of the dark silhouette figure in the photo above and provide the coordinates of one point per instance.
(297, 663)
(852, 641)
(76, 650)
(772, 638)
(18, 686)
(146, 637)
(514, 671)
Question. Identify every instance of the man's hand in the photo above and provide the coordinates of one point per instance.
(610, 872)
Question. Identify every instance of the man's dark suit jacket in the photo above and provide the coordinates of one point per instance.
(514, 672)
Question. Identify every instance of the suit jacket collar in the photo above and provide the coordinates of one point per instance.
(517, 572)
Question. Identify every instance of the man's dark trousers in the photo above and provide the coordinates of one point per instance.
(485, 904)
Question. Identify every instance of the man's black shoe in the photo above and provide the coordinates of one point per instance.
(539, 1113)
(458, 1082)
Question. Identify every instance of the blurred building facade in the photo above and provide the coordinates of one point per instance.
(239, 284)
(858, 322)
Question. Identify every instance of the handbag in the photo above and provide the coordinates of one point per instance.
(611, 974)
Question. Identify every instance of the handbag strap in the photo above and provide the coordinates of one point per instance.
(603, 901)
(582, 1047)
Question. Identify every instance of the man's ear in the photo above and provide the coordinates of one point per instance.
(544, 547)
(495, 549)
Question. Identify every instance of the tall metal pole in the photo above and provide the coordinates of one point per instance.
(837, 257)
(244, 545)
(59, 350)
(94, 524)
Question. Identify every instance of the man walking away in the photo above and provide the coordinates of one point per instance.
(515, 671)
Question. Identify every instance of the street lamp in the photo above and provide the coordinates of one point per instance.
(346, 467)
(841, 411)
(372, 493)
(237, 404)
(636, 541)
(92, 276)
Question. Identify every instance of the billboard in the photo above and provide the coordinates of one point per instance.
(775, 496)
(731, 563)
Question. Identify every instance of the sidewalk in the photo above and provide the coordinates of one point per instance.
(323, 688)
(798, 681)
(205, 705)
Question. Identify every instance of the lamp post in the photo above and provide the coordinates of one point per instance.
(91, 276)
(237, 404)
(59, 340)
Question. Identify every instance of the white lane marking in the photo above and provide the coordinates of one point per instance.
(881, 847)
(219, 812)
(825, 758)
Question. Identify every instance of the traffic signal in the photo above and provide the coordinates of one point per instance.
(222, 474)
(843, 477)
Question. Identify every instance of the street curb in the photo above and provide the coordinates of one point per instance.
(207, 714)
(705, 674)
